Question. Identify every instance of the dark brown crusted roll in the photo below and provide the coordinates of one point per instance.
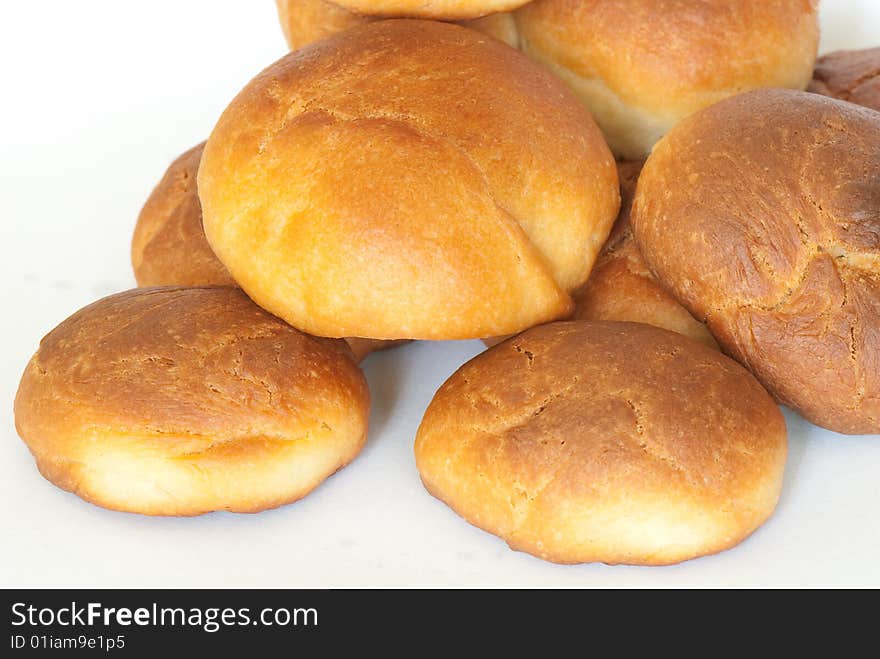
(849, 75)
(762, 215)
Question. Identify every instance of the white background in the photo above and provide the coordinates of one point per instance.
(96, 100)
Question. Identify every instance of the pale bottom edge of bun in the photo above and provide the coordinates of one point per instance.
(630, 131)
(650, 533)
(242, 476)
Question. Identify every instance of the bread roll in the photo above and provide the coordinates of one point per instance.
(408, 179)
(169, 247)
(621, 287)
(762, 215)
(181, 401)
(604, 441)
(437, 9)
(640, 66)
(849, 75)
(305, 21)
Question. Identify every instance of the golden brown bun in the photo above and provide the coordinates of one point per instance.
(437, 9)
(761, 215)
(642, 65)
(305, 21)
(169, 247)
(602, 441)
(621, 287)
(849, 75)
(181, 401)
(408, 179)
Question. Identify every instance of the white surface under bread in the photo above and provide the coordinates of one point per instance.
(92, 119)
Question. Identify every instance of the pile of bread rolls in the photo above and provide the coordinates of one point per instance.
(636, 203)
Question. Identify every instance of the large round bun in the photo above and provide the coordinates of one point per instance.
(181, 401)
(169, 247)
(762, 215)
(642, 65)
(408, 179)
(611, 442)
(436, 9)
(305, 21)
(622, 287)
(849, 75)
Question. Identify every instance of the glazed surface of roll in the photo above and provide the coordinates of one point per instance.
(436, 9)
(604, 441)
(640, 66)
(305, 21)
(761, 215)
(376, 184)
(181, 401)
(849, 75)
(169, 247)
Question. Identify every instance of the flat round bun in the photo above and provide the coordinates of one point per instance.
(408, 180)
(640, 66)
(603, 441)
(762, 215)
(622, 287)
(849, 75)
(182, 401)
(169, 247)
(436, 9)
(305, 21)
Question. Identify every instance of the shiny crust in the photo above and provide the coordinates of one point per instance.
(642, 65)
(622, 287)
(381, 162)
(180, 401)
(849, 75)
(305, 21)
(169, 247)
(612, 442)
(435, 9)
(761, 215)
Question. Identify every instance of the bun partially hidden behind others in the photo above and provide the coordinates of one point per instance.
(441, 10)
(408, 179)
(621, 287)
(305, 21)
(181, 401)
(762, 215)
(169, 247)
(640, 66)
(612, 442)
(849, 75)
